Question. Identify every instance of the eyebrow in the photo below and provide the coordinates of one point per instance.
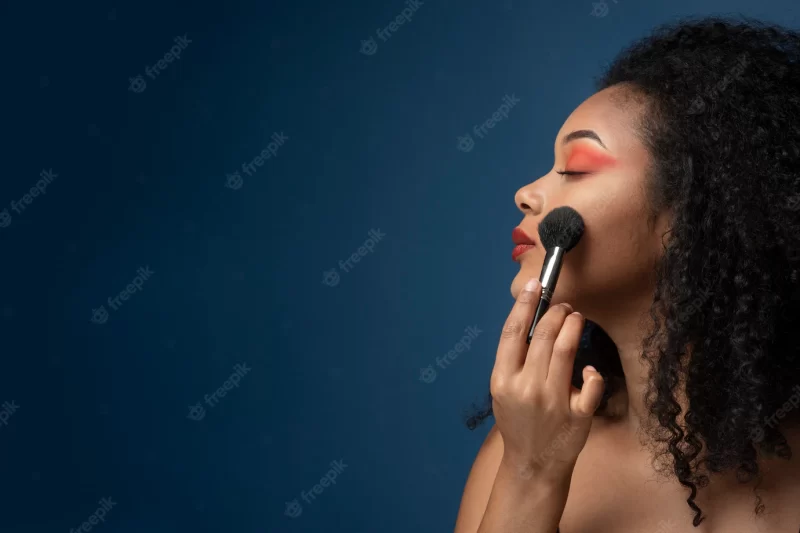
(582, 134)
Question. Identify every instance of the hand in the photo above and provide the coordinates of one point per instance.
(544, 420)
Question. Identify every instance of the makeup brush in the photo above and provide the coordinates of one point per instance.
(560, 231)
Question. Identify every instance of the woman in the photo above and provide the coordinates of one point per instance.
(685, 166)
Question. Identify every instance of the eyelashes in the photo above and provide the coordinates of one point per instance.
(570, 173)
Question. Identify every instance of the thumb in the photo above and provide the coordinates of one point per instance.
(584, 403)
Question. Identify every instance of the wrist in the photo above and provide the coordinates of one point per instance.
(553, 475)
(525, 500)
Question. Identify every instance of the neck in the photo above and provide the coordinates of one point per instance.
(627, 326)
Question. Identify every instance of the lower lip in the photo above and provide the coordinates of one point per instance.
(521, 249)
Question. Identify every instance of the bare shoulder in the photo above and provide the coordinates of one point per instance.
(479, 483)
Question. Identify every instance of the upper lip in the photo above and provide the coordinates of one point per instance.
(520, 237)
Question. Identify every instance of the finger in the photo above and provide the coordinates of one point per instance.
(585, 402)
(537, 362)
(513, 339)
(559, 376)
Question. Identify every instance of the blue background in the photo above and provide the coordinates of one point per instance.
(238, 273)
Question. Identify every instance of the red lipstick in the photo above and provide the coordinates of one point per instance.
(522, 241)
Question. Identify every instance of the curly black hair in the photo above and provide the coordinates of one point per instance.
(721, 120)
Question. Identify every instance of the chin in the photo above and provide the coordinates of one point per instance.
(514, 288)
(520, 280)
(530, 266)
(565, 288)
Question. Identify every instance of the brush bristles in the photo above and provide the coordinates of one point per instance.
(562, 227)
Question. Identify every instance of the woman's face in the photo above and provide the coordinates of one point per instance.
(612, 267)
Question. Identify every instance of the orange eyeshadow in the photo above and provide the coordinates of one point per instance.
(583, 158)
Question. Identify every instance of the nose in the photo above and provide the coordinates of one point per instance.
(529, 200)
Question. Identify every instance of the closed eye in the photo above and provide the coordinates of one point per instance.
(569, 173)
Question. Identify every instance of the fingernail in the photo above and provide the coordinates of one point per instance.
(590, 367)
(569, 307)
(532, 285)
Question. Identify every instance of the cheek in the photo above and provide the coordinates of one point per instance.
(613, 207)
(616, 245)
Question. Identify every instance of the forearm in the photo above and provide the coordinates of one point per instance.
(525, 504)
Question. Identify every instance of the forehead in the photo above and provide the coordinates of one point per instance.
(611, 113)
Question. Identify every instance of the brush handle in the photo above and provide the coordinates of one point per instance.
(544, 304)
(550, 271)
